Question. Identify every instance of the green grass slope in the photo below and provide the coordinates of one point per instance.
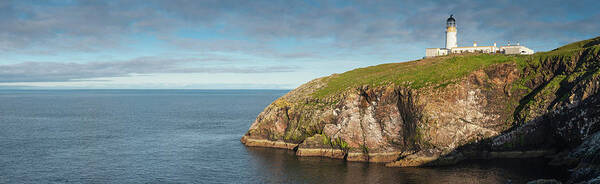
(441, 71)
(416, 74)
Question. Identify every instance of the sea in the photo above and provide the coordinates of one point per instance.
(186, 136)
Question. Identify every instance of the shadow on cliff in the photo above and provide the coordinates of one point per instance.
(551, 136)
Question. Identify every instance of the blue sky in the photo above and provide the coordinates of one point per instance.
(221, 44)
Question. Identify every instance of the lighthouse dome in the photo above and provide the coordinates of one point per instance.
(451, 19)
(451, 22)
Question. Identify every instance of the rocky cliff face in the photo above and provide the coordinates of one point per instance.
(518, 106)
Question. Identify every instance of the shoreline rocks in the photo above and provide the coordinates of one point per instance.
(321, 152)
(267, 143)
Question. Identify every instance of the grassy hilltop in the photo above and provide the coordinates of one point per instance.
(440, 71)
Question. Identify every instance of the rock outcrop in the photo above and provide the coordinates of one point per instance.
(443, 110)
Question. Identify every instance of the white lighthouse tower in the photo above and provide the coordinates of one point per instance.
(451, 33)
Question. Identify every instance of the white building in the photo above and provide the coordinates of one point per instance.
(432, 52)
(452, 46)
(475, 48)
(516, 49)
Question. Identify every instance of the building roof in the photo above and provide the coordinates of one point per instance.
(451, 19)
(473, 47)
(513, 46)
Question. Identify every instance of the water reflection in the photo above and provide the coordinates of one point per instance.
(282, 166)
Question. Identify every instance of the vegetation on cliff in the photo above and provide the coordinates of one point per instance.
(549, 77)
(438, 71)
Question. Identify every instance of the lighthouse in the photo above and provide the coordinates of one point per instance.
(453, 48)
(451, 33)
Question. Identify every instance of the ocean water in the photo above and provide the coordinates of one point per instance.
(184, 136)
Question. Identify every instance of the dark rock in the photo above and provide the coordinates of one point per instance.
(544, 181)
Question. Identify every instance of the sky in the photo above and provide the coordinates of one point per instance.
(221, 44)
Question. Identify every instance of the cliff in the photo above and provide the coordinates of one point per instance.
(442, 110)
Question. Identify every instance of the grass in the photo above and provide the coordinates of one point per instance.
(441, 71)
(580, 44)
(553, 85)
(415, 74)
(326, 140)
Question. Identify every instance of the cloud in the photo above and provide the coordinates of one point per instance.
(356, 25)
(264, 32)
(93, 25)
(60, 72)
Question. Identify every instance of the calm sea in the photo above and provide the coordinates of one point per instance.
(183, 136)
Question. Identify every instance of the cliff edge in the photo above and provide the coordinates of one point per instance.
(442, 110)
